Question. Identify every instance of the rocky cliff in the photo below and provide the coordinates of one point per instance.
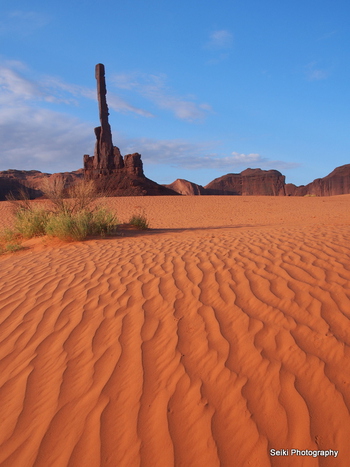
(335, 183)
(249, 182)
(31, 181)
(131, 182)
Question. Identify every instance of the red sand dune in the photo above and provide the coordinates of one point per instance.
(217, 336)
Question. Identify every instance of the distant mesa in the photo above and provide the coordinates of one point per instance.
(249, 182)
(124, 176)
(260, 182)
(335, 183)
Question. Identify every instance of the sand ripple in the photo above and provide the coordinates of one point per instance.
(193, 348)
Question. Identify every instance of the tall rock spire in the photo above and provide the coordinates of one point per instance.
(107, 160)
(104, 157)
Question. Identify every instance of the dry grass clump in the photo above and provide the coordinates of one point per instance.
(140, 221)
(72, 215)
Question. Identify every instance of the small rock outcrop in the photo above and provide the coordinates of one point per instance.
(184, 187)
(249, 182)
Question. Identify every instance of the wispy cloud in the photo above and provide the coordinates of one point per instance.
(115, 102)
(154, 88)
(219, 44)
(220, 39)
(16, 85)
(257, 161)
(21, 22)
(314, 73)
(34, 138)
(328, 35)
(174, 152)
(196, 156)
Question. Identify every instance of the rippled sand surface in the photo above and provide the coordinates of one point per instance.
(218, 335)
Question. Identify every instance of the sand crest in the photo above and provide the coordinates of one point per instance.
(217, 336)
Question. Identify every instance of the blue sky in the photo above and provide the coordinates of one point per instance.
(200, 89)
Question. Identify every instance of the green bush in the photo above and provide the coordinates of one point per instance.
(139, 221)
(10, 241)
(103, 222)
(69, 227)
(12, 247)
(72, 216)
(77, 226)
(31, 222)
(8, 236)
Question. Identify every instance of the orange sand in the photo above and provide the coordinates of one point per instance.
(217, 336)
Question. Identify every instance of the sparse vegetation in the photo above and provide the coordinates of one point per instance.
(76, 198)
(31, 221)
(68, 226)
(140, 221)
(71, 214)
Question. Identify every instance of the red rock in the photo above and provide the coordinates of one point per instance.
(133, 164)
(184, 187)
(113, 174)
(335, 183)
(15, 181)
(249, 182)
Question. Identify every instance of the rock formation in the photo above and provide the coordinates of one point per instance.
(31, 182)
(248, 182)
(184, 187)
(128, 182)
(112, 173)
(107, 158)
(335, 183)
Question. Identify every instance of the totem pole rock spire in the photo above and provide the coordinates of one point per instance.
(104, 157)
(107, 160)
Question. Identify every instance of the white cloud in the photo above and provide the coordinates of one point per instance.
(15, 87)
(22, 23)
(220, 39)
(114, 102)
(42, 139)
(196, 156)
(153, 87)
(247, 160)
(120, 105)
(315, 73)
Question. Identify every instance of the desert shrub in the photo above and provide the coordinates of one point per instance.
(76, 198)
(77, 226)
(69, 219)
(69, 227)
(103, 222)
(22, 201)
(140, 221)
(8, 235)
(11, 247)
(10, 241)
(31, 222)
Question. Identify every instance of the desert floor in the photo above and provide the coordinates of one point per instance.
(220, 334)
